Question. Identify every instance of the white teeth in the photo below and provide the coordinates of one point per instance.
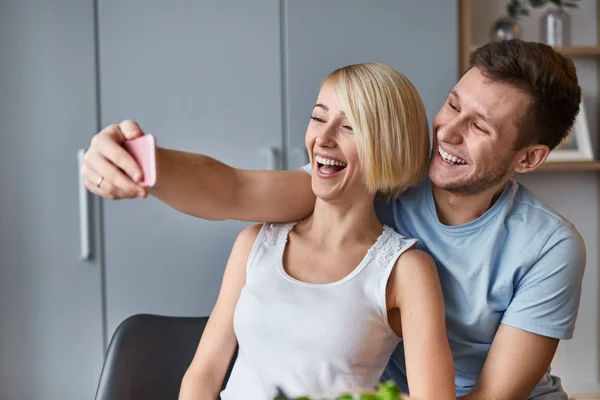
(450, 158)
(328, 161)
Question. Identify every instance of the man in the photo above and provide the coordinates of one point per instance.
(511, 268)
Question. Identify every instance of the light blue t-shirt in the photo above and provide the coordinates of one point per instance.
(519, 264)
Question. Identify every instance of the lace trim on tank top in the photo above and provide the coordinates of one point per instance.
(384, 250)
(277, 233)
(387, 247)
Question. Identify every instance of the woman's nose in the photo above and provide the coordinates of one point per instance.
(326, 137)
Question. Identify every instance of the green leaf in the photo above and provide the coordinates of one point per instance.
(370, 396)
(388, 391)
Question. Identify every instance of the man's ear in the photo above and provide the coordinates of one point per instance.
(531, 157)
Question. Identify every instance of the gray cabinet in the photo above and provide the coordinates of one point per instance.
(51, 344)
(202, 77)
(234, 79)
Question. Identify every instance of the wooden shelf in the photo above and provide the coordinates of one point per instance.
(569, 166)
(585, 51)
(581, 51)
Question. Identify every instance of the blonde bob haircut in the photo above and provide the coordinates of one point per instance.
(389, 123)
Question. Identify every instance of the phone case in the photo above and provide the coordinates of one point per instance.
(143, 149)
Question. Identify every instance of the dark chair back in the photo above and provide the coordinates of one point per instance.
(148, 356)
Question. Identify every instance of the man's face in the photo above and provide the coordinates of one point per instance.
(474, 133)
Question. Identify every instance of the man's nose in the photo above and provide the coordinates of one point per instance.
(452, 132)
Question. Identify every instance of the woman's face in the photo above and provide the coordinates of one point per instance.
(336, 171)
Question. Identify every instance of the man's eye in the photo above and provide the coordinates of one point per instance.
(317, 119)
(452, 106)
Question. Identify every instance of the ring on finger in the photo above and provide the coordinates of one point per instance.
(99, 181)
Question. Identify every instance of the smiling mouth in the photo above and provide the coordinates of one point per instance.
(329, 166)
(449, 158)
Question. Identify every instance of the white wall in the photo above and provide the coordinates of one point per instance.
(573, 194)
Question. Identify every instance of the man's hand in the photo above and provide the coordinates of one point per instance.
(108, 169)
(515, 364)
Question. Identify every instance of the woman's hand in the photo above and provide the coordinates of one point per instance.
(108, 169)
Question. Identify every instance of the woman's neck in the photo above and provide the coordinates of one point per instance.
(340, 224)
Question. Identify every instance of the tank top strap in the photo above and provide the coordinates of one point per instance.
(268, 246)
(389, 246)
(277, 234)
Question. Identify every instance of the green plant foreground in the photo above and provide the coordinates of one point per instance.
(385, 391)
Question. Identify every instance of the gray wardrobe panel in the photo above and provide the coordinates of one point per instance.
(203, 77)
(417, 37)
(50, 302)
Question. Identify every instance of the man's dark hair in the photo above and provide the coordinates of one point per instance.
(549, 78)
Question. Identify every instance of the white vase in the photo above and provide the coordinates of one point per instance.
(555, 27)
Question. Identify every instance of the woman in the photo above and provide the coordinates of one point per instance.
(319, 305)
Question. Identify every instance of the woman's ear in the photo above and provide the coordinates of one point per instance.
(531, 157)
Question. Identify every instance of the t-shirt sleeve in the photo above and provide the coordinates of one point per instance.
(546, 298)
(307, 168)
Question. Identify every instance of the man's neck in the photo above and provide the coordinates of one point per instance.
(455, 209)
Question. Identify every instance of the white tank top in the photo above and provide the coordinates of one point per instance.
(311, 338)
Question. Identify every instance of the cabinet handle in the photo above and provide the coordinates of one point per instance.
(272, 158)
(84, 214)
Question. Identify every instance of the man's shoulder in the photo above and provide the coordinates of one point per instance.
(539, 230)
(411, 201)
(533, 214)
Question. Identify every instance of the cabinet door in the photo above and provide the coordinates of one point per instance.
(202, 76)
(417, 37)
(50, 300)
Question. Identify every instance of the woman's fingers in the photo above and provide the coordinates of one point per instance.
(108, 169)
(109, 144)
(106, 180)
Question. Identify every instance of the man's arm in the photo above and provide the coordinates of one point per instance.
(196, 184)
(515, 364)
(543, 311)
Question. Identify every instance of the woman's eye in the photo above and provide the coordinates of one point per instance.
(347, 127)
(479, 128)
(317, 119)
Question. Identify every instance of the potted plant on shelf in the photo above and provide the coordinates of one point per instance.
(555, 26)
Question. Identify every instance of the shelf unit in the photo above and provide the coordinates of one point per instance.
(466, 47)
(569, 166)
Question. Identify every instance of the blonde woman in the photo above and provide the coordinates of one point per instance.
(319, 305)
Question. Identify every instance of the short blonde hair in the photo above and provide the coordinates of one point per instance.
(389, 123)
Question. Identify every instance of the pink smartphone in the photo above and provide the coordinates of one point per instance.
(143, 149)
